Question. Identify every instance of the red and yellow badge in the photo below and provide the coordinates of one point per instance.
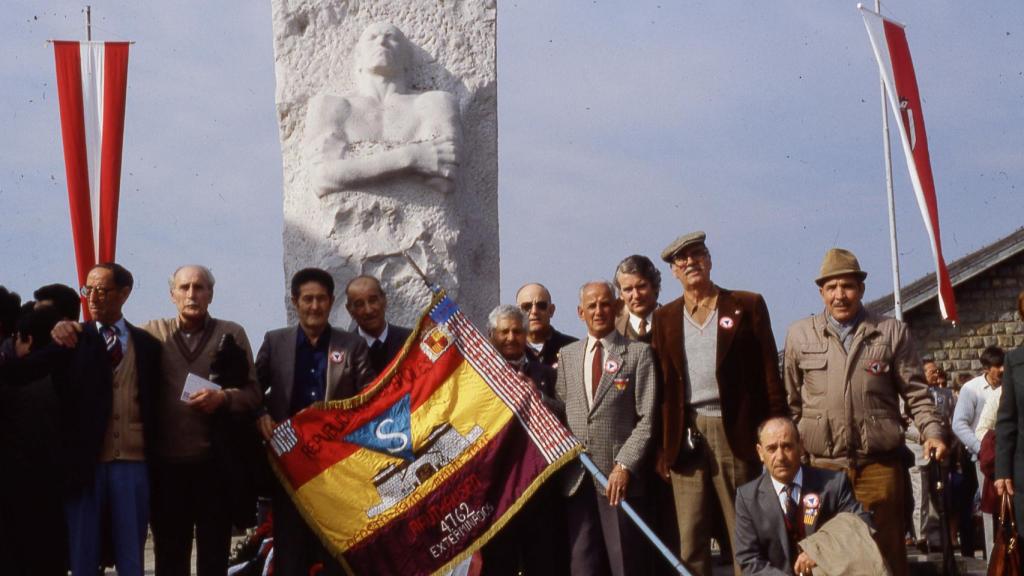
(620, 383)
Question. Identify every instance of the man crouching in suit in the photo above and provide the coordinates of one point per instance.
(300, 365)
(607, 385)
(787, 503)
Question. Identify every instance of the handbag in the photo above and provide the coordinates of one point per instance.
(1005, 556)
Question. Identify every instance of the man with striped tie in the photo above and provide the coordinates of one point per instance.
(106, 385)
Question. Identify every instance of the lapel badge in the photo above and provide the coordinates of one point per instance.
(611, 366)
(726, 322)
(620, 383)
(811, 503)
(876, 367)
(337, 356)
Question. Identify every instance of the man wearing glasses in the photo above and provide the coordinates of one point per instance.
(106, 386)
(720, 377)
(542, 341)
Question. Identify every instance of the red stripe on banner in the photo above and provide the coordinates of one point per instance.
(76, 166)
(321, 431)
(913, 124)
(115, 87)
(452, 518)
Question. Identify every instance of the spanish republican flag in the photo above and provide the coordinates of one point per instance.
(424, 466)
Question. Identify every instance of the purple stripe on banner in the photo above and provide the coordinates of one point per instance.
(454, 516)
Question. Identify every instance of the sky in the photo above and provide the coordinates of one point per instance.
(621, 127)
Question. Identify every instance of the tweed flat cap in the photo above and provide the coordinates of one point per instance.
(839, 262)
(682, 243)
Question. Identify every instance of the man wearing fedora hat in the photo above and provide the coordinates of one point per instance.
(846, 370)
(720, 380)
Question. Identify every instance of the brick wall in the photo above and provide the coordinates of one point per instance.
(987, 305)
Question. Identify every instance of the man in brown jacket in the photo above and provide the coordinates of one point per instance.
(845, 371)
(720, 378)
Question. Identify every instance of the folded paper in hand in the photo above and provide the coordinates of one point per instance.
(194, 384)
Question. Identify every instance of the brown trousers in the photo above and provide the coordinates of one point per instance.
(710, 479)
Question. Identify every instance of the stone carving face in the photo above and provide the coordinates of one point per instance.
(382, 49)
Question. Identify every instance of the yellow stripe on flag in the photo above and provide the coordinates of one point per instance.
(464, 401)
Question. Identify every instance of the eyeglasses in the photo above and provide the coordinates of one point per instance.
(101, 293)
(538, 305)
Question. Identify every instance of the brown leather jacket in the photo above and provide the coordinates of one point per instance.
(847, 406)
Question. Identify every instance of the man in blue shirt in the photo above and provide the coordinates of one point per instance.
(298, 366)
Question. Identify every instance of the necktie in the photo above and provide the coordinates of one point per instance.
(377, 356)
(793, 524)
(596, 368)
(642, 330)
(113, 344)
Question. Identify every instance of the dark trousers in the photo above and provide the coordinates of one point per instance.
(602, 539)
(296, 547)
(534, 541)
(191, 498)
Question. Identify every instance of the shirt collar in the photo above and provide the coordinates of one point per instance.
(634, 321)
(370, 339)
(321, 342)
(121, 326)
(797, 481)
(606, 342)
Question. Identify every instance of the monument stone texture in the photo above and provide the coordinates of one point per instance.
(388, 123)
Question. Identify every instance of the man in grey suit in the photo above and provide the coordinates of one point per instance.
(298, 366)
(787, 503)
(607, 385)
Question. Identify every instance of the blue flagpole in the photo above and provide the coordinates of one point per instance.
(644, 528)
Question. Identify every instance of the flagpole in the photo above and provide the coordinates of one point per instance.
(893, 244)
(644, 528)
(88, 23)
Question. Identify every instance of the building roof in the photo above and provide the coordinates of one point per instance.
(925, 289)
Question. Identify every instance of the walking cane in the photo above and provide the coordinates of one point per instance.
(938, 481)
(603, 481)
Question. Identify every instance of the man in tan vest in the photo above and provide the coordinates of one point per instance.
(106, 386)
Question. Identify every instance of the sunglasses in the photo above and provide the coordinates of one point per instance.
(539, 305)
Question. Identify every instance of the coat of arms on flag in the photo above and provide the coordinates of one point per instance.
(423, 467)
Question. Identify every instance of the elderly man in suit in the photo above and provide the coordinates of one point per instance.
(368, 305)
(720, 378)
(607, 385)
(639, 283)
(106, 386)
(787, 503)
(300, 365)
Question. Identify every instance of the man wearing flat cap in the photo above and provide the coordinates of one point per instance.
(719, 370)
(846, 370)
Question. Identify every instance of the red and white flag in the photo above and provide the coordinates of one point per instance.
(92, 81)
(889, 42)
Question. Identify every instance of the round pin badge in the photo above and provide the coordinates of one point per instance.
(726, 322)
(811, 501)
(611, 366)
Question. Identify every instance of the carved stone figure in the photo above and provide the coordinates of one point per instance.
(389, 142)
(382, 131)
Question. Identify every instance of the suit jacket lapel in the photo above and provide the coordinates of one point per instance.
(617, 352)
(729, 317)
(812, 485)
(287, 365)
(673, 327)
(772, 510)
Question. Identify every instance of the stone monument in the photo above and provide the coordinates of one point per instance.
(388, 122)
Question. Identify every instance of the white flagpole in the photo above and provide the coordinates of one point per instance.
(893, 245)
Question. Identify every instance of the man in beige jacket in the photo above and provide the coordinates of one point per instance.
(845, 372)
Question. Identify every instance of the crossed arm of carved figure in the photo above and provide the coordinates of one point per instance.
(328, 147)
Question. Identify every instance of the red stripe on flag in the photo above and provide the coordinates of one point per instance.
(321, 430)
(913, 124)
(72, 126)
(115, 87)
